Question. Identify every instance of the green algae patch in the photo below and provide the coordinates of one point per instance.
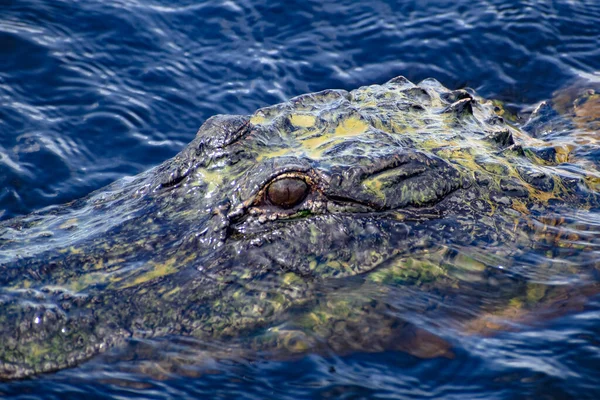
(407, 270)
(151, 271)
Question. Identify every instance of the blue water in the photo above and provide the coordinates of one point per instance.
(91, 91)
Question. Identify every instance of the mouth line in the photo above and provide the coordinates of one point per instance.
(239, 231)
(348, 200)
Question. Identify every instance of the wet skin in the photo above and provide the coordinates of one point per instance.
(257, 228)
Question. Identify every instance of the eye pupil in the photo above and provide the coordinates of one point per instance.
(287, 192)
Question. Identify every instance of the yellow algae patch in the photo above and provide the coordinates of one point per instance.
(430, 144)
(257, 119)
(540, 195)
(316, 143)
(71, 250)
(274, 154)
(494, 168)
(71, 223)
(188, 259)
(291, 278)
(463, 157)
(499, 168)
(96, 265)
(371, 104)
(543, 196)
(303, 120)
(519, 206)
(338, 265)
(350, 127)
(499, 109)
(75, 250)
(294, 341)
(330, 266)
(403, 126)
(380, 125)
(37, 351)
(498, 106)
(535, 292)
(403, 269)
(212, 179)
(84, 281)
(25, 284)
(156, 270)
(172, 292)
(374, 184)
(562, 153)
(592, 182)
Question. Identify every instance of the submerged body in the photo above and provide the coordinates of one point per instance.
(307, 225)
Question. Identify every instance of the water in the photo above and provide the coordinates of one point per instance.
(91, 92)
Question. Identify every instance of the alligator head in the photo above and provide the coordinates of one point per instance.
(257, 211)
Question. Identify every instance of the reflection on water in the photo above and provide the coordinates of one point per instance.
(93, 92)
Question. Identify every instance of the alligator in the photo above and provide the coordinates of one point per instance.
(294, 226)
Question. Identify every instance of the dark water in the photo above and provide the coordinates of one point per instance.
(94, 91)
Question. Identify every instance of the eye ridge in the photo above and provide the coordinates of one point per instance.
(287, 192)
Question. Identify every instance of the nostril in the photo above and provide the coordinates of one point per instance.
(461, 107)
(456, 95)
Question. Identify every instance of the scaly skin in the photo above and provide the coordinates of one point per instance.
(399, 177)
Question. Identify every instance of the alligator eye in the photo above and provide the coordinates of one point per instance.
(287, 192)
